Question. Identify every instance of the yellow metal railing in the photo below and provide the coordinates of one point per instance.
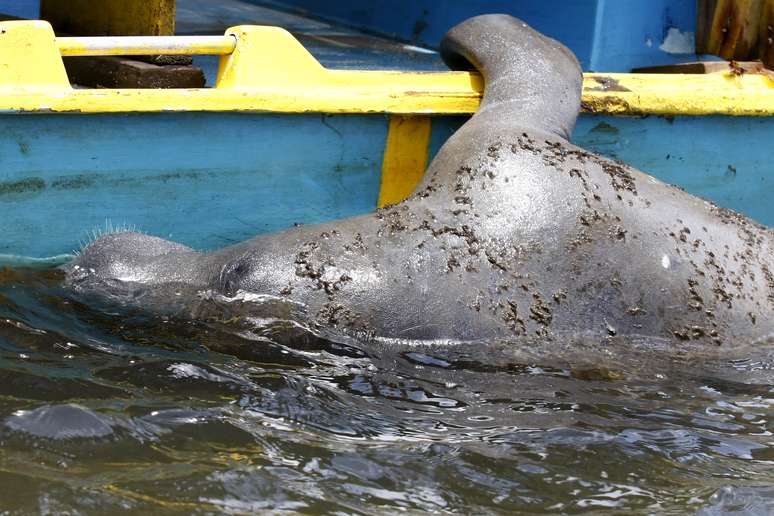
(146, 45)
(266, 69)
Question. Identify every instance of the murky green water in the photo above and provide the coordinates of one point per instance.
(102, 411)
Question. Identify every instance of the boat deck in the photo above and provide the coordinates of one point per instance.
(334, 45)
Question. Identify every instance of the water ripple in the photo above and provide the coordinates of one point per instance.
(103, 407)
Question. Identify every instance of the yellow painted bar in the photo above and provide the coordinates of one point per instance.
(403, 93)
(21, 45)
(145, 45)
(722, 93)
(368, 92)
(405, 157)
(111, 17)
(270, 71)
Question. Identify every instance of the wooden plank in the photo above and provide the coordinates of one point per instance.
(704, 16)
(766, 40)
(118, 72)
(704, 67)
(122, 18)
(749, 17)
(695, 67)
(111, 17)
(739, 29)
(726, 27)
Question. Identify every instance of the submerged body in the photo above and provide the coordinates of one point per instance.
(512, 232)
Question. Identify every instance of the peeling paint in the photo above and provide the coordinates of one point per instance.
(678, 42)
(607, 84)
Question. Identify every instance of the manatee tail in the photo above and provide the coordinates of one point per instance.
(531, 80)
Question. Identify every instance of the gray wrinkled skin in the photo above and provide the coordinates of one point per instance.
(513, 232)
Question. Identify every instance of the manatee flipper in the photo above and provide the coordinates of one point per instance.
(531, 80)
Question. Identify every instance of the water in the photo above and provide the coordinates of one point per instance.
(104, 409)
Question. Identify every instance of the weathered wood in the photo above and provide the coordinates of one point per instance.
(736, 29)
(111, 17)
(728, 22)
(704, 15)
(122, 18)
(748, 44)
(118, 72)
(704, 67)
(766, 32)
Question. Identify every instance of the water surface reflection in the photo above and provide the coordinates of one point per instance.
(105, 408)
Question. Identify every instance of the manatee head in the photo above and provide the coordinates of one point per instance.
(129, 264)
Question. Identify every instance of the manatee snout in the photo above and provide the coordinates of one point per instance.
(123, 262)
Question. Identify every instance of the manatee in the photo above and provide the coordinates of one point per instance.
(512, 232)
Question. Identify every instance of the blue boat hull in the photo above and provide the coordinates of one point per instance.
(209, 180)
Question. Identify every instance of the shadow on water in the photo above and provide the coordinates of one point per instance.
(103, 409)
